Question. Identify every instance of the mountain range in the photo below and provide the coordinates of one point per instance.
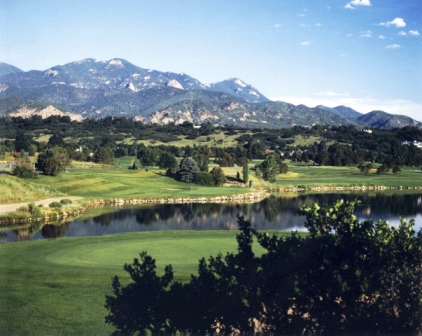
(97, 89)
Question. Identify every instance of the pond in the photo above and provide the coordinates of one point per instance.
(274, 213)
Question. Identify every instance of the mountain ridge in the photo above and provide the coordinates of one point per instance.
(95, 89)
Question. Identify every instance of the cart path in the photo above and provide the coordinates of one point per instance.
(14, 206)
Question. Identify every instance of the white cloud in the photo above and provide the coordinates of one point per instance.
(278, 25)
(363, 105)
(392, 46)
(361, 2)
(357, 3)
(367, 33)
(413, 32)
(398, 22)
(382, 37)
(301, 15)
(306, 43)
(402, 33)
(318, 24)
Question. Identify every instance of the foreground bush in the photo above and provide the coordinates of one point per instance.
(55, 205)
(66, 201)
(347, 277)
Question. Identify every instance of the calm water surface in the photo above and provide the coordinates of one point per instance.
(274, 213)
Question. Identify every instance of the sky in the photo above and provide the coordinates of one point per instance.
(365, 54)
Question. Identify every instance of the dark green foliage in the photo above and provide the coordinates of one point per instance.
(32, 150)
(148, 156)
(55, 205)
(53, 161)
(187, 170)
(218, 175)
(168, 161)
(269, 168)
(202, 160)
(383, 169)
(204, 178)
(22, 142)
(24, 168)
(56, 140)
(104, 155)
(133, 166)
(24, 172)
(225, 160)
(138, 306)
(245, 172)
(365, 168)
(66, 201)
(396, 170)
(345, 278)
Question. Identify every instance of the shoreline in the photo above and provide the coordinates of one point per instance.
(16, 217)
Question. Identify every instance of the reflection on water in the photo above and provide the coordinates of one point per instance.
(274, 213)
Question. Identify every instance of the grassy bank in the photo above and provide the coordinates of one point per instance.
(14, 190)
(58, 286)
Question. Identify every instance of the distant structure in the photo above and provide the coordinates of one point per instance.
(367, 130)
(414, 143)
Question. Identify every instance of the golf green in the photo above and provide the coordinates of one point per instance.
(56, 287)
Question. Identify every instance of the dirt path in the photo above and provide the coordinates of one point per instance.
(12, 207)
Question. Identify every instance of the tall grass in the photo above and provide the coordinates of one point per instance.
(14, 190)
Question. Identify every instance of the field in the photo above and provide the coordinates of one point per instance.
(111, 183)
(58, 287)
(305, 175)
(214, 140)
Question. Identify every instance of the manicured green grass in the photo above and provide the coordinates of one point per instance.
(58, 287)
(301, 174)
(111, 183)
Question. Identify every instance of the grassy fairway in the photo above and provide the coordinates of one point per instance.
(301, 174)
(104, 183)
(58, 286)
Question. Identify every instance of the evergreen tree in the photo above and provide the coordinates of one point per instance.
(269, 168)
(245, 171)
(187, 170)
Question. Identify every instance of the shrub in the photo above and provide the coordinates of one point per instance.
(55, 205)
(34, 210)
(204, 178)
(24, 172)
(66, 201)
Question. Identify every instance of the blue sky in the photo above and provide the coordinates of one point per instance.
(366, 54)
